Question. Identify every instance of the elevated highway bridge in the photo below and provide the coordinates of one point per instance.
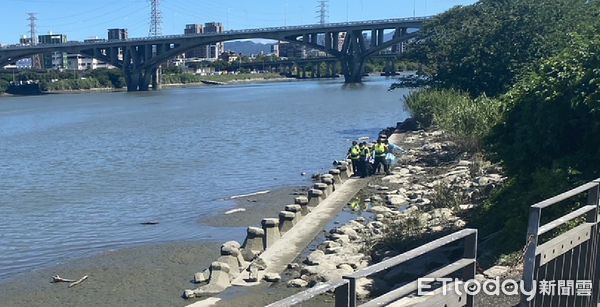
(140, 58)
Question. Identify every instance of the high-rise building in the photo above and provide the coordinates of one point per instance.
(117, 34)
(56, 60)
(212, 52)
(292, 50)
(192, 29)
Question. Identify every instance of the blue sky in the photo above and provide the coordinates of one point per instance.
(85, 19)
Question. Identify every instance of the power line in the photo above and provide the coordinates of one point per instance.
(35, 59)
(323, 11)
(155, 18)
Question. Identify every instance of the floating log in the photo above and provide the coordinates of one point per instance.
(73, 284)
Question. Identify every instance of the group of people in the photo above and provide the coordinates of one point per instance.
(367, 159)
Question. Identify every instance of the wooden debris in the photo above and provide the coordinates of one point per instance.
(57, 278)
(73, 284)
(150, 223)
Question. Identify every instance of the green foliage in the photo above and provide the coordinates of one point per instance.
(427, 105)
(548, 139)
(467, 120)
(482, 48)
(553, 114)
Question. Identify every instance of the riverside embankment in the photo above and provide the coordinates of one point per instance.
(81, 172)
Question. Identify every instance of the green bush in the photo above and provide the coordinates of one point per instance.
(468, 121)
(548, 138)
(426, 106)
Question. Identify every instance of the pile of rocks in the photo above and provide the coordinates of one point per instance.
(432, 182)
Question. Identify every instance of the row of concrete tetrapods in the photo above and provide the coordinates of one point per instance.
(235, 259)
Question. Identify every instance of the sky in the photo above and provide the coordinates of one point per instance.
(80, 20)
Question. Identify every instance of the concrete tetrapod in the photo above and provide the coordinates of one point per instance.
(302, 201)
(329, 182)
(352, 170)
(254, 244)
(315, 197)
(322, 187)
(287, 220)
(343, 171)
(348, 168)
(296, 209)
(271, 229)
(219, 281)
(336, 175)
(229, 256)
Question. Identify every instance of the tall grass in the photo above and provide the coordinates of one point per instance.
(467, 120)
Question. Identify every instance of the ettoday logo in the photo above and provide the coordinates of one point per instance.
(509, 287)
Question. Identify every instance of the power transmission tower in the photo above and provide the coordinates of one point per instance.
(155, 18)
(35, 59)
(323, 11)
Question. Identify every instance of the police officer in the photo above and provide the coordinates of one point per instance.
(365, 153)
(354, 155)
(380, 151)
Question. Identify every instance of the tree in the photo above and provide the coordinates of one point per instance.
(548, 141)
(484, 47)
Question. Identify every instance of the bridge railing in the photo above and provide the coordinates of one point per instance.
(564, 250)
(345, 290)
(233, 32)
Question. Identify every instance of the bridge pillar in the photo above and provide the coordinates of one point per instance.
(156, 82)
(353, 57)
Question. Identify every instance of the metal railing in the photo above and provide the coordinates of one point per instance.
(320, 27)
(568, 256)
(345, 290)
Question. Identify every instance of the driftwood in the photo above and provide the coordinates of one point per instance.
(73, 284)
(150, 223)
(57, 278)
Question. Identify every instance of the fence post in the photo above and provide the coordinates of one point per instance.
(341, 295)
(530, 250)
(351, 291)
(470, 252)
(593, 198)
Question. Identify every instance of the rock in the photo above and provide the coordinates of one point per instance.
(342, 239)
(464, 163)
(376, 225)
(379, 217)
(297, 283)
(460, 223)
(189, 294)
(382, 188)
(379, 209)
(397, 200)
(315, 257)
(441, 213)
(466, 207)
(293, 266)
(202, 276)
(272, 277)
(346, 268)
(347, 230)
(259, 264)
(395, 179)
(330, 244)
(496, 271)
(436, 228)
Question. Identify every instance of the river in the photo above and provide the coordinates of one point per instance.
(80, 172)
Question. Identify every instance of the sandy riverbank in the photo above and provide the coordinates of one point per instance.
(147, 275)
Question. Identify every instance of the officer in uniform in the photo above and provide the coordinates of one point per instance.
(365, 153)
(354, 155)
(380, 151)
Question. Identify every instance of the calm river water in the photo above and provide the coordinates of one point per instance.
(78, 173)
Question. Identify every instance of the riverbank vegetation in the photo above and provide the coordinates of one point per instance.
(519, 82)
